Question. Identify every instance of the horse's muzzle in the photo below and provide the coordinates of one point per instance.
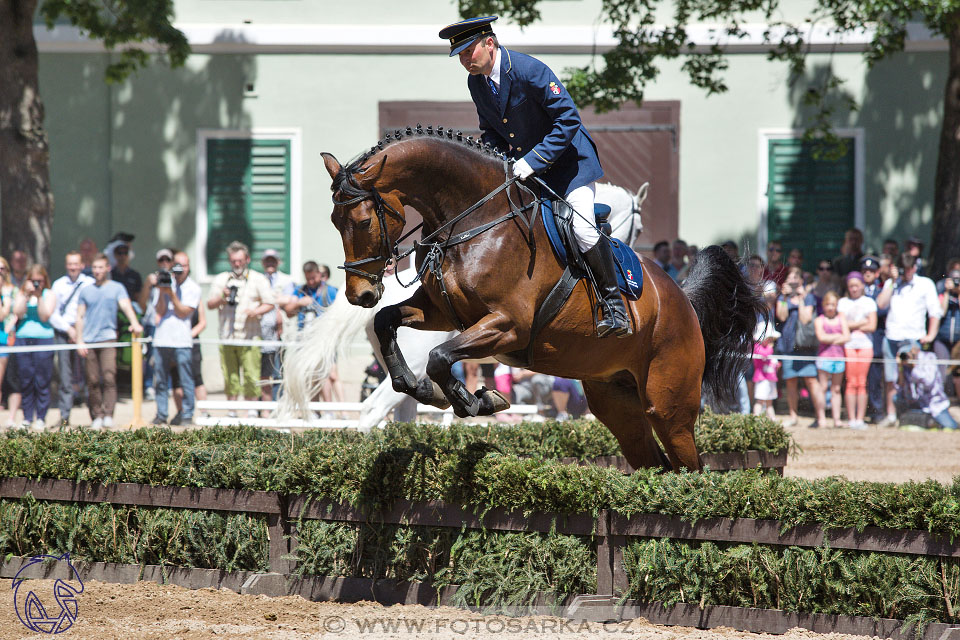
(370, 297)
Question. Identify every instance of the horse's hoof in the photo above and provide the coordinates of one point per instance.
(429, 392)
(491, 401)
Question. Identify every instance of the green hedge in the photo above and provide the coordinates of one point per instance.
(490, 566)
(136, 535)
(823, 580)
(475, 467)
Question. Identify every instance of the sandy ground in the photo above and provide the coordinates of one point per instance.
(881, 455)
(148, 611)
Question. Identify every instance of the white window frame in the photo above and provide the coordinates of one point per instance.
(294, 136)
(763, 155)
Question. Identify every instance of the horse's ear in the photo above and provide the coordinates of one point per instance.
(642, 193)
(333, 167)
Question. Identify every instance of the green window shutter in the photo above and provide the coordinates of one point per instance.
(810, 202)
(248, 198)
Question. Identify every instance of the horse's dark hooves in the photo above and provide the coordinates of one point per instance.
(491, 401)
(429, 392)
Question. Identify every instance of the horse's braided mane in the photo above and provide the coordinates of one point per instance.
(349, 188)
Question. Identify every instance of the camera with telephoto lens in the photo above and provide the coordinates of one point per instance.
(164, 278)
(232, 295)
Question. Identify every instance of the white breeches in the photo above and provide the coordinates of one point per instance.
(584, 222)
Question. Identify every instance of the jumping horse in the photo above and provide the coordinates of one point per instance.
(486, 269)
(308, 361)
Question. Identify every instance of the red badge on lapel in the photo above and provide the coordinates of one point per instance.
(555, 88)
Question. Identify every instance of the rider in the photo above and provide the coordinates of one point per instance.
(524, 110)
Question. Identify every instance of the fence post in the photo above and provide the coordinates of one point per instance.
(611, 575)
(136, 379)
(283, 539)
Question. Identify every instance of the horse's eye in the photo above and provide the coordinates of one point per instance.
(363, 225)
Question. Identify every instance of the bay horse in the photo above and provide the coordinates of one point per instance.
(490, 279)
(309, 359)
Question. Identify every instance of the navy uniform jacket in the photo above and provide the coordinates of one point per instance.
(534, 118)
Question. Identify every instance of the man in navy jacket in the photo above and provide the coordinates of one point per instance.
(525, 111)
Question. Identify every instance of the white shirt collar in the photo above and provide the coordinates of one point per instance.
(495, 72)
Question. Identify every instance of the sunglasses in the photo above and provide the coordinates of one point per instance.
(775, 249)
(825, 268)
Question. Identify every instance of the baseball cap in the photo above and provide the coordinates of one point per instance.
(869, 263)
(270, 253)
(164, 253)
(915, 240)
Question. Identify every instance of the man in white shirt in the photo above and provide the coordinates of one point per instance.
(914, 314)
(174, 302)
(242, 296)
(64, 320)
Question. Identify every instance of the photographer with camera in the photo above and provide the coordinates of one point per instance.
(242, 296)
(795, 312)
(921, 383)
(97, 322)
(34, 302)
(914, 315)
(174, 300)
(148, 320)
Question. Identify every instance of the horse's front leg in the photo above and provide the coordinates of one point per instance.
(494, 334)
(417, 313)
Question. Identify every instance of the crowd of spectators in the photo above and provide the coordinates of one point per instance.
(82, 315)
(833, 325)
(824, 328)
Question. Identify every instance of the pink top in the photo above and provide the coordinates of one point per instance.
(764, 367)
(831, 326)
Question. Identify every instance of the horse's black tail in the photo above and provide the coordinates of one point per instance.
(727, 307)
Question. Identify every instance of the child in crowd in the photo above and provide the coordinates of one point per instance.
(764, 369)
(833, 333)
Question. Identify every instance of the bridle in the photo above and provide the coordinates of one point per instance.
(388, 250)
(391, 250)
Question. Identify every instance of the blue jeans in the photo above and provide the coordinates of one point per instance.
(945, 420)
(36, 372)
(167, 358)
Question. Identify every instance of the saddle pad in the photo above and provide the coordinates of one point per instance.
(629, 273)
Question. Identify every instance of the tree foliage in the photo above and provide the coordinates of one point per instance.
(134, 29)
(650, 32)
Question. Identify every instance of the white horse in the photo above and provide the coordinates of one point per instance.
(307, 361)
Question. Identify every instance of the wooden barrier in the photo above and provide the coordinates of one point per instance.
(609, 529)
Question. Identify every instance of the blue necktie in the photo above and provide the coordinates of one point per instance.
(493, 87)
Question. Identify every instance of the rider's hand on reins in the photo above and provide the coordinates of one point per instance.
(522, 170)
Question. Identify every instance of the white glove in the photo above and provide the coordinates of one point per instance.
(521, 169)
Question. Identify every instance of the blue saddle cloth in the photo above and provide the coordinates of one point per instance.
(629, 273)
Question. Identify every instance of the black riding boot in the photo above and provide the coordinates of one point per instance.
(615, 320)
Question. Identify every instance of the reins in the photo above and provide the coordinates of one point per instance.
(436, 247)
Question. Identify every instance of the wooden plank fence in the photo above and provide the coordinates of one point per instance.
(610, 530)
